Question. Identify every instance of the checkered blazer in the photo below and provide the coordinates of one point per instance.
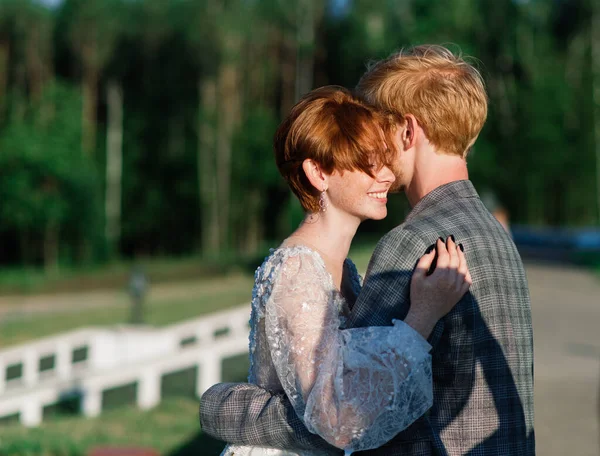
(482, 350)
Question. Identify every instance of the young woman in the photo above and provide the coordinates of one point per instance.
(356, 388)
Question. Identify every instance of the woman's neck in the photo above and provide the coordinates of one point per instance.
(330, 236)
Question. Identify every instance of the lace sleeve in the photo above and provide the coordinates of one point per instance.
(356, 388)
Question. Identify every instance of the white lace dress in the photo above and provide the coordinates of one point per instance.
(356, 388)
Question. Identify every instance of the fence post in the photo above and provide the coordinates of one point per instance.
(209, 371)
(2, 376)
(31, 413)
(148, 394)
(63, 361)
(30, 367)
(91, 404)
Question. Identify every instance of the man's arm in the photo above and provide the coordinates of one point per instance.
(245, 414)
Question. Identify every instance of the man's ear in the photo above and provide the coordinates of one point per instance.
(409, 131)
(316, 176)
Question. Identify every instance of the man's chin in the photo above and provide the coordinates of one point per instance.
(399, 189)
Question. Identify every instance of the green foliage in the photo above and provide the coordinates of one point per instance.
(43, 445)
(44, 179)
(254, 165)
(535, 57)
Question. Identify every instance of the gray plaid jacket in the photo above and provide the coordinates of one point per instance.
(482, 350)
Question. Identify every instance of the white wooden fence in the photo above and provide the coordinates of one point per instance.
(91, 360)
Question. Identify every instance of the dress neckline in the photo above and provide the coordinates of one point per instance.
(349, 268)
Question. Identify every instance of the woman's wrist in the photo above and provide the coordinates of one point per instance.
(423, 323)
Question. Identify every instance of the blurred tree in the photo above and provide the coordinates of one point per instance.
(200, 21)
(114, 166)
(46, 187)
(93, 28)
(114, 134)
(595, 61)
(195, 88)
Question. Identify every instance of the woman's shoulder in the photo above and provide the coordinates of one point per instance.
(293, 259)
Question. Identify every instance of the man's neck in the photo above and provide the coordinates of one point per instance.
(437, 171)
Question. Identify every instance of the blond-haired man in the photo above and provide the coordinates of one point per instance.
(482, 357)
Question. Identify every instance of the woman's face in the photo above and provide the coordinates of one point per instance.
(360, 195)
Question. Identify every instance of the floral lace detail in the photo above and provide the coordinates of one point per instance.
(356, 388)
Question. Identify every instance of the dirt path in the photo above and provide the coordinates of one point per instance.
(20, 306)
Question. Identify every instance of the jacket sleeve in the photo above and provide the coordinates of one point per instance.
(246, 414)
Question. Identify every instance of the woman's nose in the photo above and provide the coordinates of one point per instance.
(386, 175)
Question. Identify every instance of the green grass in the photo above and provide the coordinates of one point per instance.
(360, 255)
(172, 429)
(214, 295)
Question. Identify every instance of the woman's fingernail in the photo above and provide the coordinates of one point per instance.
(429, 249)
(441, 239)
(461, 247)
(452, 237)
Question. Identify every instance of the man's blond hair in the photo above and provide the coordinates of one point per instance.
(445, 94)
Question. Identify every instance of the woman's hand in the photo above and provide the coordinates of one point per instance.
(433, 295)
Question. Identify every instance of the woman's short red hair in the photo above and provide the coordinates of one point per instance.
(338, 131)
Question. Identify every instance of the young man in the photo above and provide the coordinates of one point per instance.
(482, 355)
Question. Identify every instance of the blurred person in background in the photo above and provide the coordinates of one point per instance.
(498, 210)
(482, 354)
(356, 388)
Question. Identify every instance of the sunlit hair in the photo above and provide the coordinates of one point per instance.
(336, 130)
(445, 94)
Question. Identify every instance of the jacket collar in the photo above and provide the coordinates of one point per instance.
(447, 192)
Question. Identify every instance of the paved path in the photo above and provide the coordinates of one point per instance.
(566, 323)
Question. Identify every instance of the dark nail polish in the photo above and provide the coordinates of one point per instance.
(441, 239)
(452, 237)
(433, 265)
(429, 249)
(461, 247)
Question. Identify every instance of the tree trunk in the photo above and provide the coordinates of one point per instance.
(35, 66)
(90, 106)
(288, 74)
(305, 42)
(4, 69)
(25, 247)
(595, 45)
(254, 222)
(207, 185)
(51, 248)
(114, 166)
(228, 120)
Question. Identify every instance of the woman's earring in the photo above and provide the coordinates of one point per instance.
(323, 201)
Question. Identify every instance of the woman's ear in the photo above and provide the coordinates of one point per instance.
(315, 175)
